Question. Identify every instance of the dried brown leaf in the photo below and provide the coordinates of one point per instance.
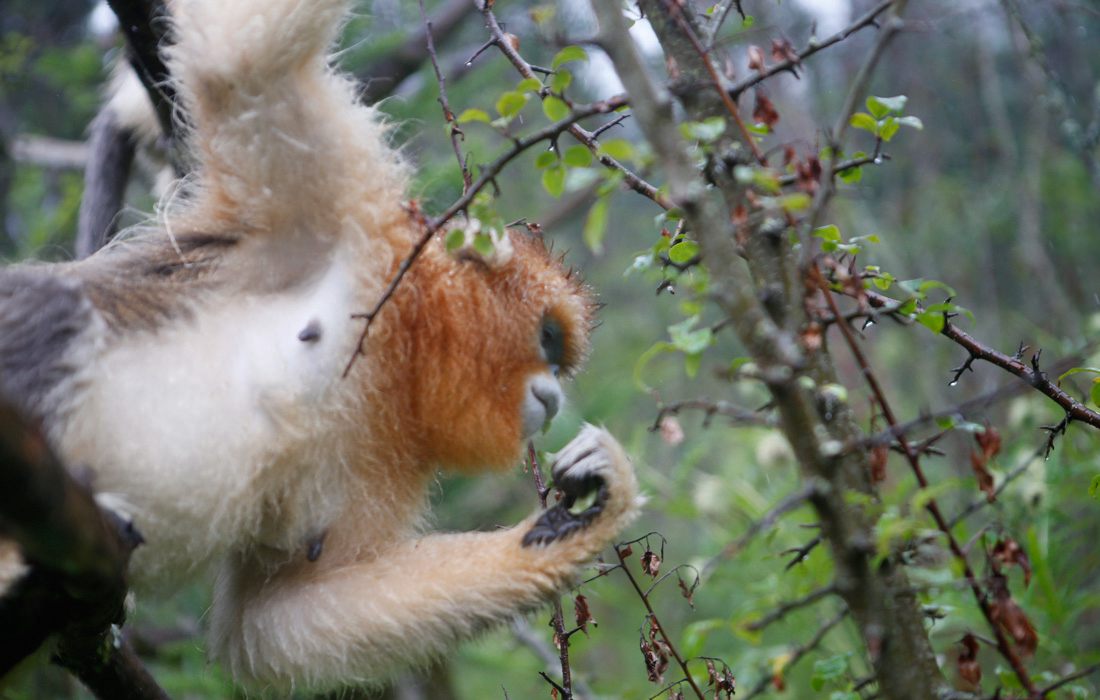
(651, 562)
(582, 614)
(764, 112)
(756, 59)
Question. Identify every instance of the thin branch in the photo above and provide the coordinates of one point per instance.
(1087, 671)
(455, 130)
(388, 71)
(868, 19)
(796, 654)
(736, 414)
(586, 138)
(531, 639)
(791, 502)
(983, 501)
(790, 606)
(890, 28)
(557, 622)
(660, 628)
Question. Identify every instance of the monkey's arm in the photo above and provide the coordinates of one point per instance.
(414, 601)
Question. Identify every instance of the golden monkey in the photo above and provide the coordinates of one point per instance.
(195, 367)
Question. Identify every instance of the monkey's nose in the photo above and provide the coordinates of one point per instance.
(549, 396)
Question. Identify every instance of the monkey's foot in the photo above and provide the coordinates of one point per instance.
(583, 467)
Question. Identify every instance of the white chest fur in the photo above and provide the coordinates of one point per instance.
(202, 431)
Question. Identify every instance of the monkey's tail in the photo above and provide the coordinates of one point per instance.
(282, 142)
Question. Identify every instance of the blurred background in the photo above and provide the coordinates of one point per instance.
(997, 197)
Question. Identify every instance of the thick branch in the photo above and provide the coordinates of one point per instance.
(78, 558)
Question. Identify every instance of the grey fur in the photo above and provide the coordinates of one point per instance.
(41, 316)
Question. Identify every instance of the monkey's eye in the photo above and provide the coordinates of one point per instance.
(552, 340)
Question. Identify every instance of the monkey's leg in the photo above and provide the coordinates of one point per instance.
(418, 598)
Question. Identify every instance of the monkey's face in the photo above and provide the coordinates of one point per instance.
(489, 343)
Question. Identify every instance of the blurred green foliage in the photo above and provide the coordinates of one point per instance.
(988, 197)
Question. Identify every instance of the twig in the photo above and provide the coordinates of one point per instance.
(790, 606)
(1087, 671)
(557, 621)
(387, 71)
(660, 628)
(888, 31)
(448, 115)
(800, 553)
(531, 639)
(984, 501)
(586, 138)
(487, 174)
(796, 654)
(791, 502)
(868, 19)
(736, 414)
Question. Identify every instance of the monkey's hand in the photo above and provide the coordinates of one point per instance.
(593, 463)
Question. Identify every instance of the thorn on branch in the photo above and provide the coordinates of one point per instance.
(1053, 431)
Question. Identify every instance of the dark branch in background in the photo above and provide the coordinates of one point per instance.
(783, 609)
(791, 502)
(1002, 643)
(487, 175)
(144, 23)
(383, 76)
(111, 153)
(77, 556)
(1081, 140)
(710, 409)
(796, 653)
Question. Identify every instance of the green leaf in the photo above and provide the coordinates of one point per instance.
(691, 342)
(455, 238)
(529, 85)
(914, 122)
(851, 175)
(795, 202)
(881, 106)
(473, 115)
(555, 108)
(510, 103)
(748, 22)
(546, 159)
(646, 357)
(692, 363)
(1094, 392)
(595, 225)
(828, 233)
(862, 120)
(1078, 370)
(483, 244)
(890, 127)
(619, 149)
(577, 156)
(560, 80)
(932, 320)
(705, 131)
(553, 180)
(683, 251)
(1094, 487)
(569, 53)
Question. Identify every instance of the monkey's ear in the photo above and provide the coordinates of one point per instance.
(476, 242)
